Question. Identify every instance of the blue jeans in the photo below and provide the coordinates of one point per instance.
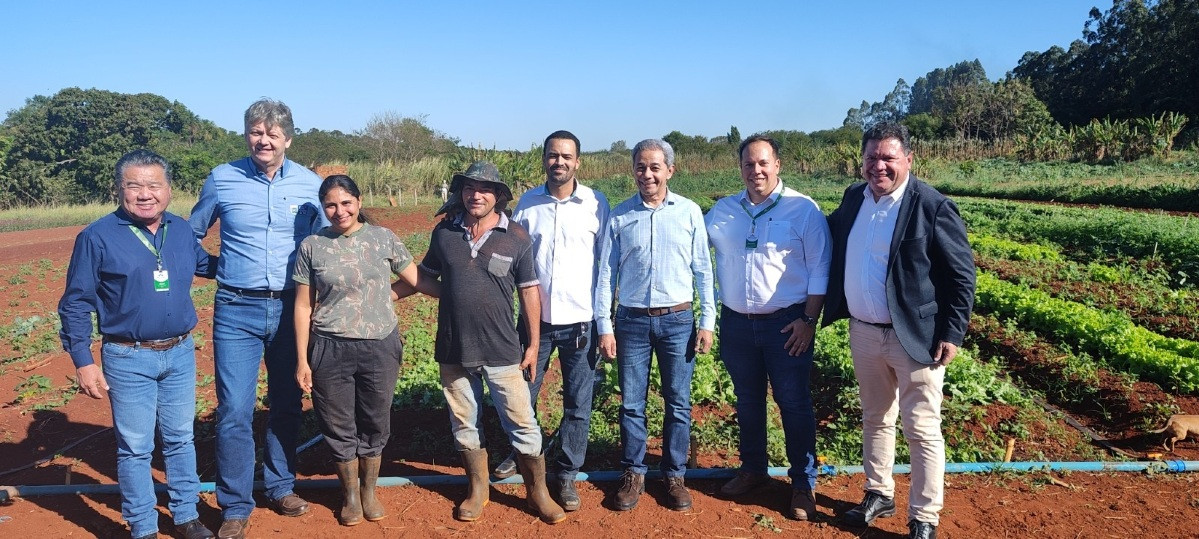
(671, 337)
(754, 352)
(463, 388)
(148, 387)
(243, 329)
(578, 387)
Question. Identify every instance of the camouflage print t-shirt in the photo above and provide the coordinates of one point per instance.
(352, 278)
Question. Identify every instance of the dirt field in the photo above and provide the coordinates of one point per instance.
(32, 442)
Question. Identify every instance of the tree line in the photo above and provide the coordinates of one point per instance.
(1125, 90)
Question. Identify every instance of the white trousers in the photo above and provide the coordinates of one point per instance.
(892, 384)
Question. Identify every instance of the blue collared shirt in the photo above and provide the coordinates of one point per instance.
(262, 221)
(655, 257)
(112, 274)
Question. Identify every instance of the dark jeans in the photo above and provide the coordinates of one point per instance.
(579, 381)
(753, 352)
(671, 338)
(353, 381)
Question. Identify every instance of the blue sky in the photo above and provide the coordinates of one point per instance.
(505, 74)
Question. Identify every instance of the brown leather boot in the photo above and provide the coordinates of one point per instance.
(532, 468)
(478, 488)
(369, 468)
(351, 504)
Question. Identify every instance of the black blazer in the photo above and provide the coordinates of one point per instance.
(930, 272)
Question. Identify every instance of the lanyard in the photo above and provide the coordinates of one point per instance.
(157, 254)
(751, 241)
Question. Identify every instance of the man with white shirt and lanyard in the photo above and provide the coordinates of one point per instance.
(565, 219)
(772, 262)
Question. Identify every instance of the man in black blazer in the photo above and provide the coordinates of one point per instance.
(903, 273)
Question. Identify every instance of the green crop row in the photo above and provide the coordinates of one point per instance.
(1172, 363)
(1142, 290)
(1089, 234)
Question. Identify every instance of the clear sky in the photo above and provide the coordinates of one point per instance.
(505, 74)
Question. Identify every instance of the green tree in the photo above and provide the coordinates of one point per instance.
(397, 138)
(1137, 59)
(64, 146)
(734, 136)
(934, 85)
(316, 147)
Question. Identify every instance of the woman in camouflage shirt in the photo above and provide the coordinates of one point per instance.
(350, 355)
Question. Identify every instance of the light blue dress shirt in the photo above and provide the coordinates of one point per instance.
(262, 221)
(655, 257)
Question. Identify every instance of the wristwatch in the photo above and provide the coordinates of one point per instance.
(809, 320)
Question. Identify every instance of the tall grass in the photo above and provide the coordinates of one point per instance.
(35, 217)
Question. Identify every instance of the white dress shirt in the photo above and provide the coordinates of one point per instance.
(790, 260)
(565, 245)
(867, 252)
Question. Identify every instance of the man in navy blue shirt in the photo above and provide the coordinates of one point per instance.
(133, 268)
(266, 205)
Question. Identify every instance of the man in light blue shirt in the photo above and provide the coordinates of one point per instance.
(654, 256)
(266, 205)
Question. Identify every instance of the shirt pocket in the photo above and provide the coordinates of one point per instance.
(779, 235)
(499, 265)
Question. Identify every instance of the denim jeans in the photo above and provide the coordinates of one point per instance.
(463, 388)
(243, 330)
(671, 337)
(579, 381)
(754, 352)
(353, 382)
(148, 387)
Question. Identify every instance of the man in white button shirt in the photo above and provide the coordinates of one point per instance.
(772, 262)
(903, 273)
(564, 218)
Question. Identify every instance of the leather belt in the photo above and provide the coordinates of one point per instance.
(156, 345)
(767, 316)
(659, 311)
(883, 326)
(249, 293)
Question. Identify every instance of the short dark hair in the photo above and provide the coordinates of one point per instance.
(887, 129)
(561, 134)
(140, 157)
(341, 181)
(774, 144)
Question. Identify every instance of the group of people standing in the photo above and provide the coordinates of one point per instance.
(305, 285)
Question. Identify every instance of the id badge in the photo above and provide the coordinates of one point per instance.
(162, 281)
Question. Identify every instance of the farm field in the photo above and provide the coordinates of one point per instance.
(1084, 315)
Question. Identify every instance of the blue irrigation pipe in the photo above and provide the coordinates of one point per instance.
(1169, 466)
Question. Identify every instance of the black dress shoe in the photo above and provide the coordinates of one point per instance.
(874, 505)
(193, 529)
(921, 530)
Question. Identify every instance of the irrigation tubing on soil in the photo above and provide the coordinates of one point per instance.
(1171, 466)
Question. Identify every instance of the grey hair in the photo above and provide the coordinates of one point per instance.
(270, 113)
(655, 144)
(140, 158)
(887, 129)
